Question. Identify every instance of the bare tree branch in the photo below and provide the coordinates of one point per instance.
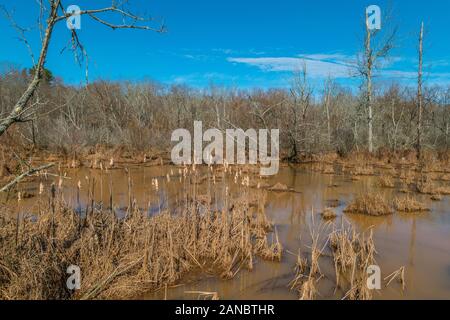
(24, 175)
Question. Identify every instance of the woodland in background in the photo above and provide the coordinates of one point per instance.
(141, 116)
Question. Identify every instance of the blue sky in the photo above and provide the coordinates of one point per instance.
(244, 43)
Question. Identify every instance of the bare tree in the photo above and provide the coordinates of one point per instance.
(301, 93)
(419, 94)
(371, 57)
(22, 109)
(328, 91)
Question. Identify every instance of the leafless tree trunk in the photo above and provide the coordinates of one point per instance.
(18, 113)
(367, 66)
(419, 94)
(328, 89)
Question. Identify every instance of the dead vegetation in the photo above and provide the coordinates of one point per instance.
(353, 254)
(307, 270)
(280, 187)
(369, 204)
(328, 214)
(362, 170)
(385, 181)
(409, 204)
(399, 275)
(204, 295)
(436, 197)
(124, 257)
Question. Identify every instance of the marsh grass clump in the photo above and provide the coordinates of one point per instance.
(424, 184)
(279, 187)
(369, 204)
(399, 275)
(385, 181)
(362, 170)
(204, 295)
(436, 197)
(328, 169)
(444, 190)
(353, 253)
(126, 256)
(409, 204)
(272, 252)
(307, 271)
(328, 214)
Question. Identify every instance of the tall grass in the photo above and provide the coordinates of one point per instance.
(122, 257)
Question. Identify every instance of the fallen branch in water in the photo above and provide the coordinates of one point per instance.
(24, 175)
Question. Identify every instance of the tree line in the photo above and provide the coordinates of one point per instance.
(141, 116)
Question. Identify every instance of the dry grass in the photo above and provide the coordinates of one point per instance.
(308, 273)
(409, 204)
(362, 170)
(204, 295)
(353, 253)
(279, 187)
(445, 177)
(424, 184)
(436, 197)
(124, 257)
(328, 214)
(328, 169)
(385, 182)
(444, 190)
(369, 204)
(399, 275)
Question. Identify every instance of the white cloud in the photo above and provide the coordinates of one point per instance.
(322, 65)
(317, 65)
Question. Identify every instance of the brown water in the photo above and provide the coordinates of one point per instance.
(420, 242)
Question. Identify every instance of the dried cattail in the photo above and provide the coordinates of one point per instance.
(41, 188)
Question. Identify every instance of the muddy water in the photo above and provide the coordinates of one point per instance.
(420, 242)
